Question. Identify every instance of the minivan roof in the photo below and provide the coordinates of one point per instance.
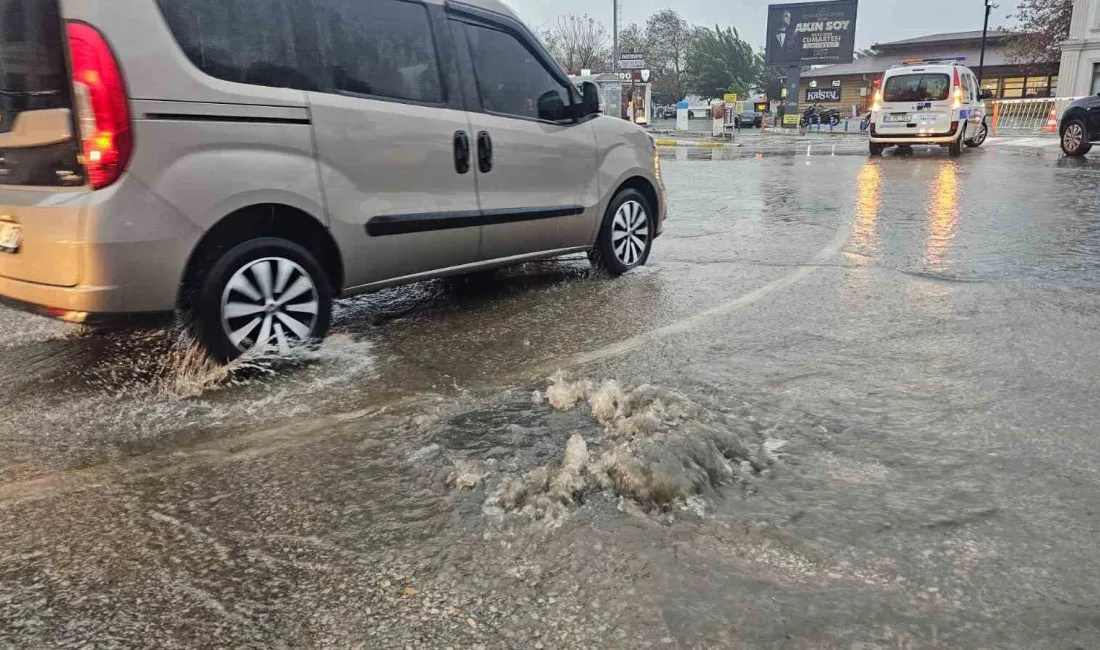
(489, 5)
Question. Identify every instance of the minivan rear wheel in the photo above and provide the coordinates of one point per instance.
(979, 138)
(626, 235)
(263, 293)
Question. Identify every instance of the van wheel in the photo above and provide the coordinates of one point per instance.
(956, 147)
(1075, 139)
(626, 235)
(266, 292)
(877, 149)
(979, 138)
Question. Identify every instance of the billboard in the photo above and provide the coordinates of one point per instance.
(811, 33)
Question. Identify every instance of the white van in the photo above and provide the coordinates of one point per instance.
(932, 102)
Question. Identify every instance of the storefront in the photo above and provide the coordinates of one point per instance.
(637, 96)
(855, 81)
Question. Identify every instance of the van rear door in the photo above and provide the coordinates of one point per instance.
(916, 102)
(37, 147)
(41, 177)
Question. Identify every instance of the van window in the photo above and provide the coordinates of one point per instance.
(511, 79)
(379, 47)
(33, 77)
(247, 41)
(917, 88)
(32, 59)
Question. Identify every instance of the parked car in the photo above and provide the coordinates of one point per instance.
(1080, 126)
(933, 102)
(750, 119)
(246, 168)
(669, 113)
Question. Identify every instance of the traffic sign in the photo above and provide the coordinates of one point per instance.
(632, 61)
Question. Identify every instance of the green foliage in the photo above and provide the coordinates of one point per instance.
(720, 63)
(666, 40)
(771, 81)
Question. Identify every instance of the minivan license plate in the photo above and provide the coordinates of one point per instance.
(11, 236)
(903, 118)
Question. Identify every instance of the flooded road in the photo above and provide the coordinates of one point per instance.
(849, 403)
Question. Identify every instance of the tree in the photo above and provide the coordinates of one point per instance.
(771, 80)
(578, 43)
(1043, 26)
(722, 63)
(666, 40)
(632, 39)
(669, 42)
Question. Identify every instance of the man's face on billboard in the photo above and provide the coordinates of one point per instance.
(786, 20)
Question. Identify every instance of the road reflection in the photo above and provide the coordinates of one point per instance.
(943, 216)
(865, 248)
(868, 199)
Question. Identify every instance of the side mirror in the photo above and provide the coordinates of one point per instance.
(551, 106)
(590, 99)
(985, 94)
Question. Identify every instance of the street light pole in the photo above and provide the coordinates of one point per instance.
(985, 33)
(615, 34)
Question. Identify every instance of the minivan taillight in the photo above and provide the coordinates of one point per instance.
(99, 97)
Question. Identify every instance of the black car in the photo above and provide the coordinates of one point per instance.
(1081, 126)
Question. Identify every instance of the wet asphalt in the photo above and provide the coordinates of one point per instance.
(892, 363)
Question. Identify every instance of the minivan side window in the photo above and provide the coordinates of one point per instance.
(246, 41)
(512, 80)
(379, 47)
(382, 48)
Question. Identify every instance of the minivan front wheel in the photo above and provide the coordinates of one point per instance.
(265, 293)
(626, 235)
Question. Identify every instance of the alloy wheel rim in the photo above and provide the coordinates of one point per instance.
(1073, 137)
(630, 232)
(270, 301)
(982, 133)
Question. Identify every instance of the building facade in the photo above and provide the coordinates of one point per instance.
(1079, 73)
(851, 86)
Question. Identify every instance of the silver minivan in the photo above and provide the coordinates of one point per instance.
(247, 162)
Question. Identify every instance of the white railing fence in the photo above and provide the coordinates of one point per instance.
(1027, 117)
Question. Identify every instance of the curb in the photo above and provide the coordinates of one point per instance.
(692, 143)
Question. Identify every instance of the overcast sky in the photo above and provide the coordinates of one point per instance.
(879, 20)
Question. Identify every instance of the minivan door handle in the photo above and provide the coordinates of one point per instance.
(484, 152)
(462, 152)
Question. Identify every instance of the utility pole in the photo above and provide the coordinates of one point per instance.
(615, 34)
(985, 33)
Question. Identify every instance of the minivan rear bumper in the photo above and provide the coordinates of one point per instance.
(127, 248)
(82, 305)
(912, 138)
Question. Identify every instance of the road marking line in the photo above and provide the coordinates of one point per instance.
(633, 343)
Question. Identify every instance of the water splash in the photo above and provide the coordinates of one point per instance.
(646, 446)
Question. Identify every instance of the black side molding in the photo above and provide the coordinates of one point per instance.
(403, 224)
(248, 119)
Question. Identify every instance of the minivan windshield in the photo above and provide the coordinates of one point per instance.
(917, 88)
